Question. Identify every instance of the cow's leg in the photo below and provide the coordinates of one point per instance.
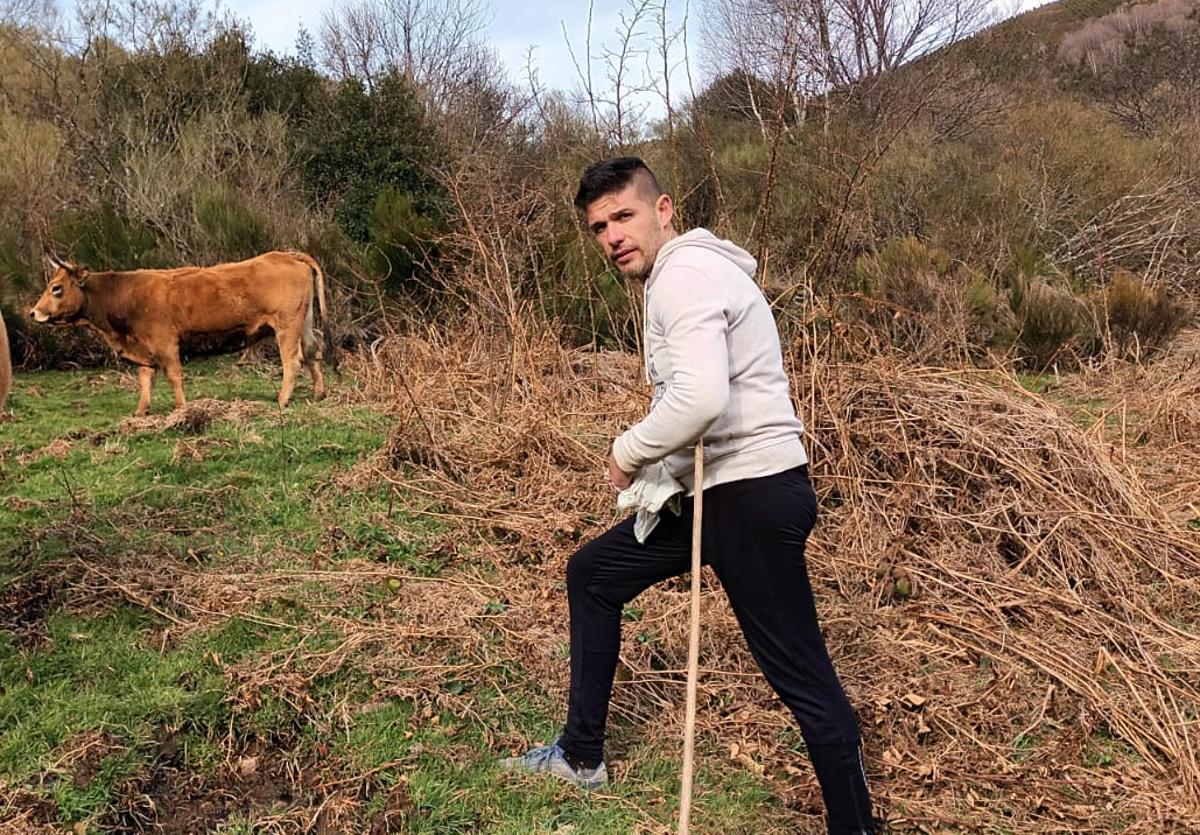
(145, 384)
(311, 347)
(288, 340)
(174, 371)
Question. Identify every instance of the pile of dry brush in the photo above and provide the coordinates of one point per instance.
(1013, 614)
(1012, 611)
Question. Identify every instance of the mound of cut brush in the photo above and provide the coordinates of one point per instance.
(1012, 613)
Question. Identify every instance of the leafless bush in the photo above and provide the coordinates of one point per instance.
(162, 180)
(30, 149)
(1145, 230)
(1103, 42)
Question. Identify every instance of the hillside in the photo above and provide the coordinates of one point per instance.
(985, 266)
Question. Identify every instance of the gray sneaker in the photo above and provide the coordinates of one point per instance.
(551, 759)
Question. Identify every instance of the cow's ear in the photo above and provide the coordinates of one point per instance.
(80, 274)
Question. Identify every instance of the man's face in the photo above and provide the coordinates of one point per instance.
(631, 227)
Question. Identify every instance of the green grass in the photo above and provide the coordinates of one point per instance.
(269, 495)
(1103, 750)
(1036, 383)
(258, 493)
(244, 487)
(100, 675)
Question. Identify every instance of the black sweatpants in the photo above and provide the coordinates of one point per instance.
(754, 533)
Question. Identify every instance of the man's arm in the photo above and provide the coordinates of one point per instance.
(691, 307)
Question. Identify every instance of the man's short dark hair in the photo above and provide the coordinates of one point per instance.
(612, 175)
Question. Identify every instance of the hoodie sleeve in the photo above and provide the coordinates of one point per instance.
(691, 308)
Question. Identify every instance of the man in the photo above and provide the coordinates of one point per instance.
(713, 356)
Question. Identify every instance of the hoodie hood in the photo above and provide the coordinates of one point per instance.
(704, 239)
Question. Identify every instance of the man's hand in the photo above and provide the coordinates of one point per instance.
(617, 477)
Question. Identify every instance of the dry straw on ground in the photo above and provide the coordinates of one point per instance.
(1150, 416)
(1011, 611)
(196, 416)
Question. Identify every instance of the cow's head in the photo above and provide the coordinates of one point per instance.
(63, 299)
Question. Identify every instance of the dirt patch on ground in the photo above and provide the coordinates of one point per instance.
(23, 812)
(86, 754)
(269, 788)
(24, 605)
(397, 811)
(256, 785)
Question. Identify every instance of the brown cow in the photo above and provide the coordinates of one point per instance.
(144, 314)
(5, 365)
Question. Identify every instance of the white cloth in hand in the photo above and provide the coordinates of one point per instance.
(653, 489)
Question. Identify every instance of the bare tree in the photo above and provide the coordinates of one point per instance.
(25, 15)
(795, 56)
(435, 44)
(816, 46)
(615, 99)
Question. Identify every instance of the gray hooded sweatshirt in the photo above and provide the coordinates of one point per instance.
(713, 358)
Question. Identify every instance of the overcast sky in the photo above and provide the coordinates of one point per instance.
(513, 27)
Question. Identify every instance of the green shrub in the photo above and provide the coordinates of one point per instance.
(16, 273)
(1050, 321)
(105, 239)
(906, 292)
(400, 236)
(367, 141)
(1140, 319)
(990, 322)
(578, 290)
(228, 227)
(905, 273)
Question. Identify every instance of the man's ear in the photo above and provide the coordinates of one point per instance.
(665, 208)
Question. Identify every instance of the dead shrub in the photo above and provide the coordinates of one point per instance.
(196, 417)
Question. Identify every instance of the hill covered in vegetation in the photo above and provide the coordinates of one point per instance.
(980, 241)
(1026, 189)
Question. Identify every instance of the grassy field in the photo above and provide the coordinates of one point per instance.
(158, 584)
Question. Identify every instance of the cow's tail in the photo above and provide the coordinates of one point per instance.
(5, 364)
(318, 276)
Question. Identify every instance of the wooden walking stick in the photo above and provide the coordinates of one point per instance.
(689, 722)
